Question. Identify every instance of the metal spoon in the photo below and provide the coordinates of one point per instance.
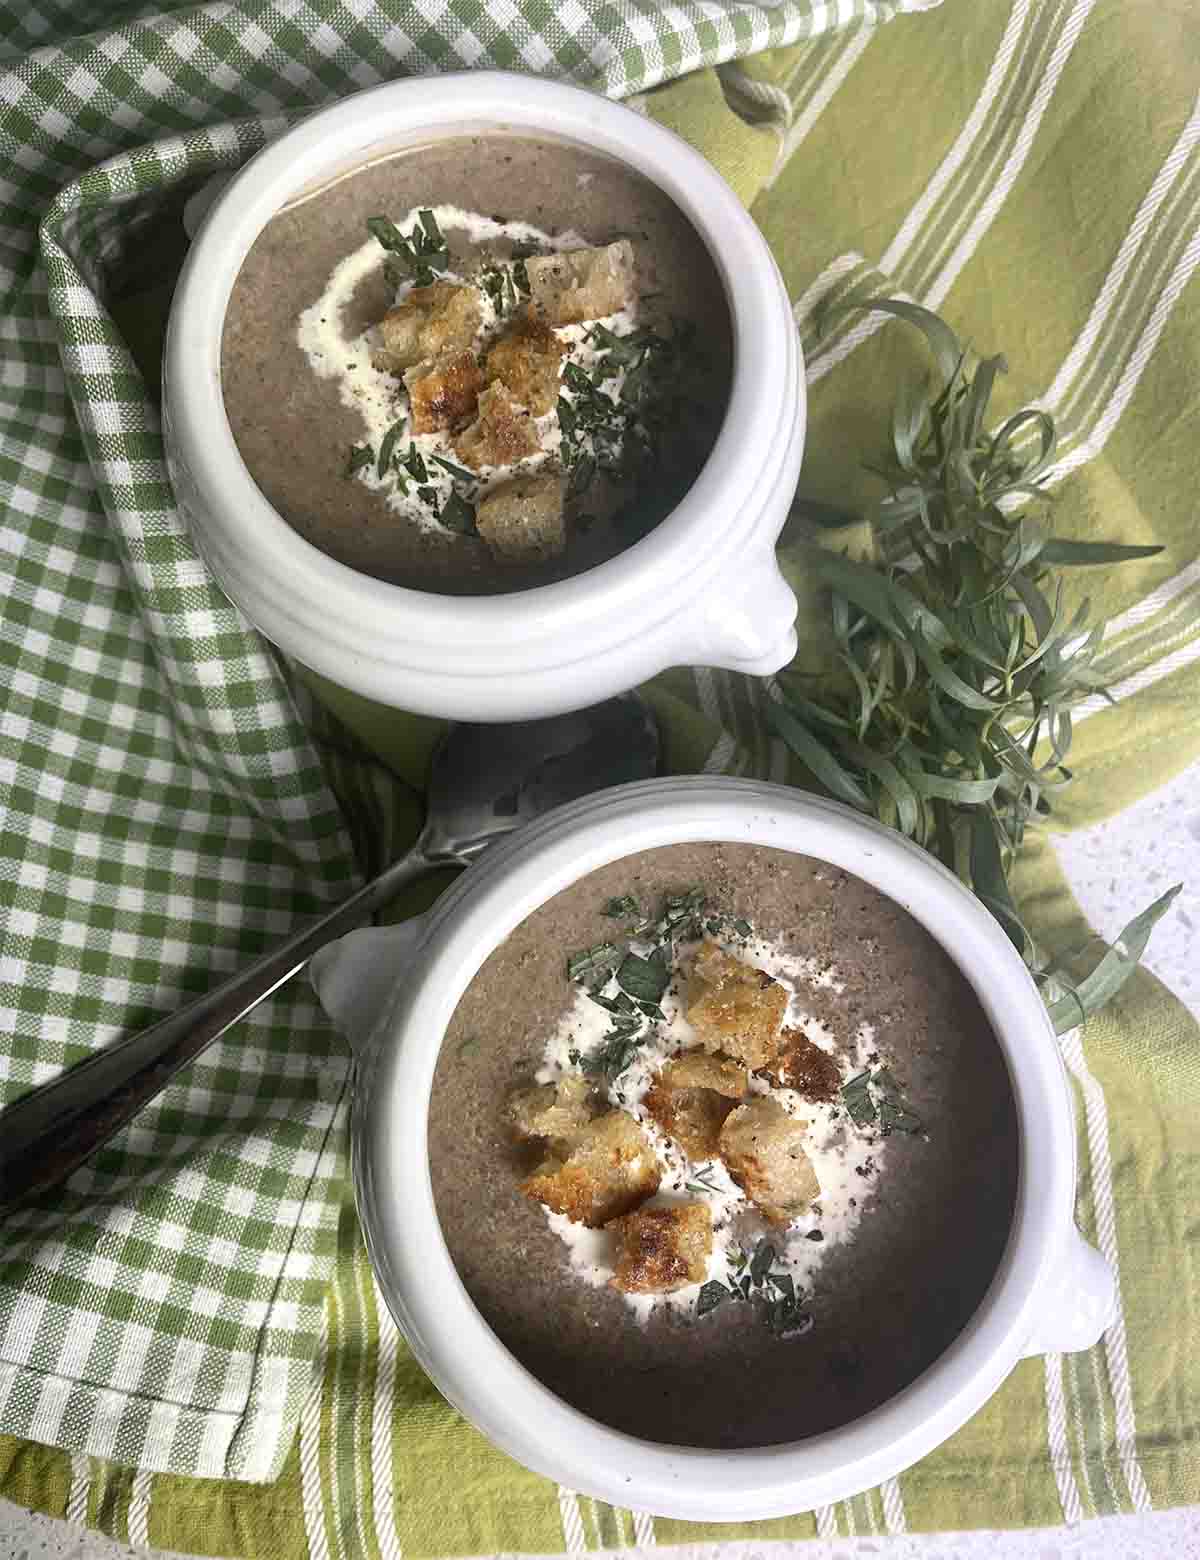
(484, 781)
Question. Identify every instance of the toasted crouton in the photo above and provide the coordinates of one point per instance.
(553, 1110)
(502, 434)
(661, 1249)
(701, 1070)
(442, 317)
(583, 284)
(735, 1008)
(692, 1096)
(763, 1150)
(805, 1067)
(609, 1170)
(523, 520)
(526, 364)
(443, 394)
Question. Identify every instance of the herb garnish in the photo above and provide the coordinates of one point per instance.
(962, 663)
(600, 960)
(641, 979)
(458, 515)
(506, 285)
(702, 1180)
(875, 1096)
(616, 1051)
(388, 447)
(680, 920)
(361, 455)
(618, 429)
(460, 472)
(758, 1281)
(422, 255)
(414, 463)
(644, 980)
(856, 1096)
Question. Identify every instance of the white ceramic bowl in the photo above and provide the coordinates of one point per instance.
(702, 589)
(1051, 1292)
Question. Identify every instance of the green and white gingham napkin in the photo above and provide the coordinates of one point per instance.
(164, 809)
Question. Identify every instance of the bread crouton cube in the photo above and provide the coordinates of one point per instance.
(523, 519)
(610, 1170)
(701, 1070)
(763, 1150)
(442, 317)
(582, 284)
(443, 394)
(692, 1096)
(526, 364)
(557, 1111)
(502, 434)
(662, 1249)
(735, 1008)
(805, 1067)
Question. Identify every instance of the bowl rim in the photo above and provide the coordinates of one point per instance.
(656, 575)
(417, 1276)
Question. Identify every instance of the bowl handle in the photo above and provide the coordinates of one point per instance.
(354, 976)
(1078, 1302)
(747, 623)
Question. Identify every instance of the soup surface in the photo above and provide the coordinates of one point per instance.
(477, 366)
(848, 1301)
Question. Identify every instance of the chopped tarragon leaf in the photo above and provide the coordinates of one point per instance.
(787, 1318)
(702, 1182)
(681, 917)
(615, 1052)
(622, 349)
(460, 472)
(875, 1096)
(582, 473)
(388, 447)
(644, 979)
(434, 241)
(600, 960)
(623, 909)
(458, 515)
(577, 379)
(856, 1096)
(360, 455)
(894, 1114)
(492, 282)
(429, 496)
(760, 1262)
(784, 1283)
(742, 927)
(618, 1004)
(422, 255)
(388, 234)
(416, 464)
(710, 1297)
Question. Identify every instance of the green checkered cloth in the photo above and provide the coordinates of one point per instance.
(200, 1304)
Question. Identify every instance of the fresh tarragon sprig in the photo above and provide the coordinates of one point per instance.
(962, 664)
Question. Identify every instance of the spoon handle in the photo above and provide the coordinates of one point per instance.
(50, 1132)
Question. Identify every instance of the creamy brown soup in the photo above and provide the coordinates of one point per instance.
(932, 1207)
(300, 433)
